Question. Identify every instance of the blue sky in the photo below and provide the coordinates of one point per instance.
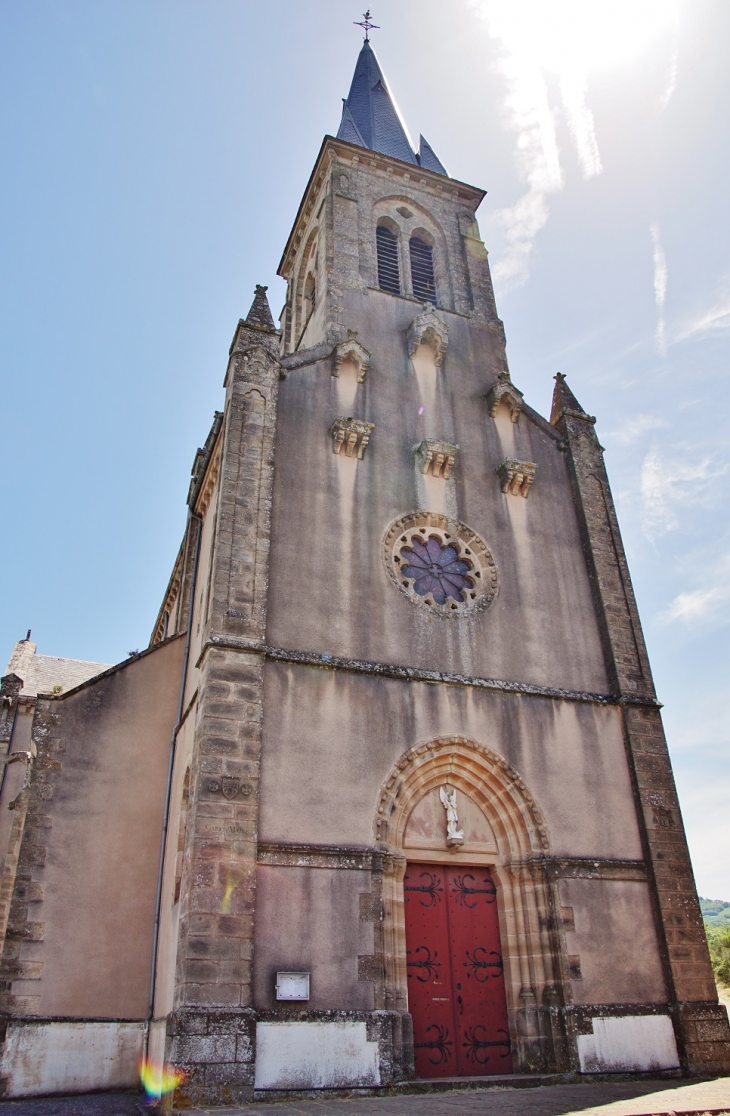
(155, 152)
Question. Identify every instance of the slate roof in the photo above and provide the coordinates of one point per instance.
(41, 673)
(370, 117)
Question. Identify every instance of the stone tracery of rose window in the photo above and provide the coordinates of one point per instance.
(440, 564)
(436, 569)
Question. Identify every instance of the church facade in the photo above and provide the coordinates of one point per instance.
(388, 795)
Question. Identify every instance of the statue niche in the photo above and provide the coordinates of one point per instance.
(428, 826)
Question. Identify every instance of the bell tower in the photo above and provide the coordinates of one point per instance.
(379, 216)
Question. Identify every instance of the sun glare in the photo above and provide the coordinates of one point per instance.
(591, 34)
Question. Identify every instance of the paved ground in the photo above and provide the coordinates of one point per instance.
(625, 1098)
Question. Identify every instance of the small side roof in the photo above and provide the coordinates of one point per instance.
(42, 674)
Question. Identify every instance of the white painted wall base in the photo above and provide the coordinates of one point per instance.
(629, 1043)
(156, 1041)
(43, 1058)
(315, 1056)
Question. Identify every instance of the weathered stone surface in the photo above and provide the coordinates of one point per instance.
(688, 970)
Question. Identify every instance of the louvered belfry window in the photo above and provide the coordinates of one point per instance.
(388, 271)
(424, 285)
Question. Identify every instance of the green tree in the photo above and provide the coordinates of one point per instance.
(718, 939)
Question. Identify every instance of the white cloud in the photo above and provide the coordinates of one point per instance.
(704, 794)
(633, 430)
(567, 38)
(582, 126)
(716, 318)
(671, 81)
(695, 605)
(661, 276)
(668, 484)
(707, 603)
(530, 116)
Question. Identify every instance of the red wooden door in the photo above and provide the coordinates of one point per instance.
(455, 975)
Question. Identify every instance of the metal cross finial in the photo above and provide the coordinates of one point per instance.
(367, 24)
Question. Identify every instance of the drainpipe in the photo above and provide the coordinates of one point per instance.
(168, 792)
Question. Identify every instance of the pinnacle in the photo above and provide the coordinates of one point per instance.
(563, 400)
(259, 316)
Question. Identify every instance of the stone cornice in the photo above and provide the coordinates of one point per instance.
(292, 855)
(415, 674)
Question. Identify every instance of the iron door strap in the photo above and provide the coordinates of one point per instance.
(480, 966)
(427, 965)
(464, 891)
(441, 1045)
(474, 1044)
(432, 889)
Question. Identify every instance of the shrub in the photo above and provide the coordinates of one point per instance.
(718, 939)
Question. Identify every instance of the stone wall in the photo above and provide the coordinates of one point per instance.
(79, 935)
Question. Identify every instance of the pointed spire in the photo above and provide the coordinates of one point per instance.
(259, 316)
(428, 158)
(564, 400)
(370, 117)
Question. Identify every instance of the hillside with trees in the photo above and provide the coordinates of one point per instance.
(716, 914)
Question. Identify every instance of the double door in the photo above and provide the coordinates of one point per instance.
(455, 972)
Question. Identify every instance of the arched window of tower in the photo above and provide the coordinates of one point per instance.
(422, 274)
(388, 267)
(310, 296)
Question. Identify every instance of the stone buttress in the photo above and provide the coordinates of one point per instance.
(211, 1032)
(701, 1023)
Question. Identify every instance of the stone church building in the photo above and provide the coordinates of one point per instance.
(388, 795)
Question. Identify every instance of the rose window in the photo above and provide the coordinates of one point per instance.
(440, 564)
(436, 569)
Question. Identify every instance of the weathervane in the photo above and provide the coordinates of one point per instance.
(367, 24)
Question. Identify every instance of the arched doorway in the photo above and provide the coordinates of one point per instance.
(500, 866)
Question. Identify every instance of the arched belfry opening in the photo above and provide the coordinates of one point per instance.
(423, 279)
(388, 262)
(499, 862)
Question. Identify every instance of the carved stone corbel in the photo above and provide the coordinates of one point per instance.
(436, 458)
(429, 328)
(352, 434)
(517, 477)
(351, 350)
(504, 391)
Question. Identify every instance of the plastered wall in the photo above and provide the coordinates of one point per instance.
(308, 921)
(616, 941)
(92, 835)
(331, 739)
(329, 589)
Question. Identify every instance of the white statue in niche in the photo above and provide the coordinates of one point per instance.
(454, 835)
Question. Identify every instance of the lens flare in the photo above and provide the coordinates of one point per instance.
(232, 882)
(159, 1077)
